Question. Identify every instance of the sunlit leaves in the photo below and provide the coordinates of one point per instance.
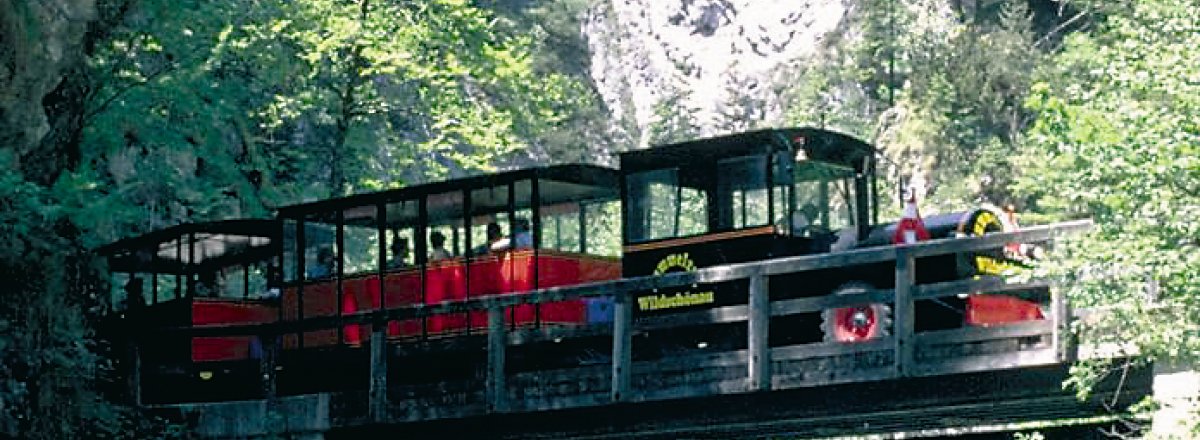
(1116, 139)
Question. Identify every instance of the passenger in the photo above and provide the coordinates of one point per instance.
(521, 238)
(324, 266)
(399, 253)
(438, 251)
(133, 293)
(803, 221)
(274, 282)
(494, 236)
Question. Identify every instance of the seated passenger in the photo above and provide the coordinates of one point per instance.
(324, 266)
(522, 239)
(399, 253)
(803, 221)
(274, 281)
(437, 250)
(494, 236)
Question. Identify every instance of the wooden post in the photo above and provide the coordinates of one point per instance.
(902, 314)
(622, 346)
(496, 389)
(758, 322)
(1061, 316)
(266, 364)
(135, 372)
(379, 368)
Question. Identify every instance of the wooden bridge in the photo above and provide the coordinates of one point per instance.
(971, 379)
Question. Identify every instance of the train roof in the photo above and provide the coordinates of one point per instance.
(818, 144)
(557, 184)
(217, 244)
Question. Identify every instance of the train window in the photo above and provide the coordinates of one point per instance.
(824, 196)
(561, 227)
(602, 230)
(290, 265)
(661, 207)
(781, 188)
(320, 250)
(521, 234)
(360, 237)
(445, 212)
(742, 192)
(490, 218)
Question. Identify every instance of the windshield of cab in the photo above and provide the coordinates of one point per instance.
(824, 197)
(804, 197)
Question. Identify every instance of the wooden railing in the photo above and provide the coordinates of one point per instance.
(759, 367)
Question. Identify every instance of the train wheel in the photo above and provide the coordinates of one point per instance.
(856, 323)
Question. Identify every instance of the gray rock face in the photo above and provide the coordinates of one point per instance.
(705, 50)
(39, 41)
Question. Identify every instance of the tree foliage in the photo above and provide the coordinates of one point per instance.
(1116, 139)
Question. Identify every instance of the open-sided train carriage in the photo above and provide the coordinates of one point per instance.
(474, 237)
(425, 244)
(192, 275)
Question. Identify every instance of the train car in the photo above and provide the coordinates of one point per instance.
(779, 193)
(195, 275)
(482, 236)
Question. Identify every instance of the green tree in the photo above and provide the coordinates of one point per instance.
(1116, 139)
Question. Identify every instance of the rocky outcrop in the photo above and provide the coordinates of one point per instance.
(40, 40)
(705, 51)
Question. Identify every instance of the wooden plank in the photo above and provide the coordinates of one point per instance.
(622, 358)
(759, 364)
(988, 362)
(377, 399)
(825, 349)
(841, 377)
(714, 315)
(522, 336)
(695, 361)
(819, 303)
(976, 334)
(1034, 234)
(903, 319)
(496, 389)
(728, 386)
(986, 284)
(552, 403)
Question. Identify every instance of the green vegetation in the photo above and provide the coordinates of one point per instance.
(1117, 139)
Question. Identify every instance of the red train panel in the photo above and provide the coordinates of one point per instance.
(207, 311)
(447, 281)
(989, 310)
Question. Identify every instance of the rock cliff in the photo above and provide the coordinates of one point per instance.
(704, 51)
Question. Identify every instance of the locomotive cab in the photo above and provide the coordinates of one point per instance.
(780, 193)
(740, 198)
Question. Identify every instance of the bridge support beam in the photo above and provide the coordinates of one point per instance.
(379, 366)
(497, 391)
(759, 322)
(903, 316)
(622, 358)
